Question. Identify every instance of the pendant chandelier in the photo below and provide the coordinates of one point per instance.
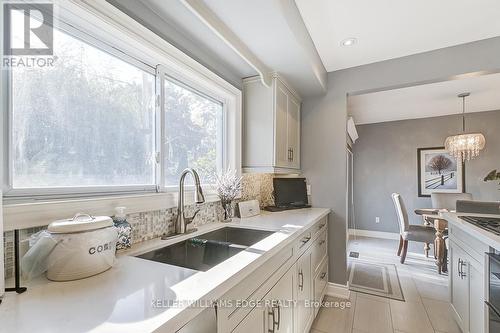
(465, 146)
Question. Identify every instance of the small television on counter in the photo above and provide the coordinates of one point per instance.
(290, 192)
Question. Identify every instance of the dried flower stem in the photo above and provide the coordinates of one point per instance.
(228, 185)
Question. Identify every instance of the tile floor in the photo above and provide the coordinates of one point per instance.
(426, 306)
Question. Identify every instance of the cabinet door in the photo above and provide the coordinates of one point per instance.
(254, 322)
(280, 316)
(281, 153)
(319, 285)
(459, 285)
(304, 311)
(293, 125)
(477, 317)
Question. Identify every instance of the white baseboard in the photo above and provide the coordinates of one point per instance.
(338, 290)
(373, 234)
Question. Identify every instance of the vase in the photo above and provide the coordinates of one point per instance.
(227, 208)
(123, 228)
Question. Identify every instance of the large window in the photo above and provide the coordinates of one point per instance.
(100, 121)
(86, 121)
(193, 133)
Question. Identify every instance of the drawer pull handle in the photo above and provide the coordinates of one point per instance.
(279, 318)
(461, 273)
(301, 283)
(321, 242)
(322, 276)
(321, 226)
(305, 240)
(272, 313)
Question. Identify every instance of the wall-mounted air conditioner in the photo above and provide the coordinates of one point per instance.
(351, 129)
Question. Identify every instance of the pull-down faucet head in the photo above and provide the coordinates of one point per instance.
(183, 221)
(198, 194)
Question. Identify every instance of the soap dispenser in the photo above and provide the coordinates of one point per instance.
(123, 227)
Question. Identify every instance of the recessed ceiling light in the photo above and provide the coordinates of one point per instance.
(348, 42)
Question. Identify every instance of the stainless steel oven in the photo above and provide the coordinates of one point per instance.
(493, 301)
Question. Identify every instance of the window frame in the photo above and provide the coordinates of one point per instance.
(163, 74)
(67, 191)
(163, 61)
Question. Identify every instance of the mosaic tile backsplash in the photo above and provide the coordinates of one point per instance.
(258, 186)
(153, 224)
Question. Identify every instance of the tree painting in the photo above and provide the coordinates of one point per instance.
(438, 171)
(439, 163)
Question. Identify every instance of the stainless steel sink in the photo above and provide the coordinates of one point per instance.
(207, 250)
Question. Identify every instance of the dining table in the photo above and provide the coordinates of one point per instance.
(431, 217)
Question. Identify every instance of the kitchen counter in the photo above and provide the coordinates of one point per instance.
(138, 295)
(484, 236)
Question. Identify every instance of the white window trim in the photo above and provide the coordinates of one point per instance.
(163, 73)
(123, 33)
(65, 25)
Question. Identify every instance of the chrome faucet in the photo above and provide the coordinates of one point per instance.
(183, 221)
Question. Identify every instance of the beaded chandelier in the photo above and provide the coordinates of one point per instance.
(465, 146)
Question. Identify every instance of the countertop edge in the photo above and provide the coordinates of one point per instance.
(290, 225)
(484, 236)
(188, 313)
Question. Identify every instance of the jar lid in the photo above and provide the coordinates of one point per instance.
(80, 222)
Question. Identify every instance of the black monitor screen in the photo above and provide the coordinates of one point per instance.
(290, 191)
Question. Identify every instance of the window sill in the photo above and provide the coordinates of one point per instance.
(41, 213)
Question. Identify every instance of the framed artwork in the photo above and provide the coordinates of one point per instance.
(438, 171)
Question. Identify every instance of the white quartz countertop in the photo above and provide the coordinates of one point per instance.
(484, 236)
(138, 295)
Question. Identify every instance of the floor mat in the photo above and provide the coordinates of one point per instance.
(375, 279)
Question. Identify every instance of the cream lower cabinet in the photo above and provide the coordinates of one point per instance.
(304, 310)
(274, 314)
(476, 304)
(467, 286)
(459, 285)
(254, 322)
(282, 292)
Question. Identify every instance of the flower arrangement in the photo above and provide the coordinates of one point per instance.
(492, 176)
(228, 188)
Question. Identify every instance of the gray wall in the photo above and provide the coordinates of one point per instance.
(323, 136)
(385, 161)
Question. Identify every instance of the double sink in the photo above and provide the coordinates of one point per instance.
(207, 250)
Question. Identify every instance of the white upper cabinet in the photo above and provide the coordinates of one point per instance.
(271, 127)
(293, 135)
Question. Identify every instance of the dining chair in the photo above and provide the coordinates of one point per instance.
(448, 201)
(407, 231)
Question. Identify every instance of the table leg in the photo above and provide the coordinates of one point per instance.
(427, 246)
(439, 245)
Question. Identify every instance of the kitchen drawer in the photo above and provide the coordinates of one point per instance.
(319, 250)
(473, 246)
(320, 226)
(303, 243)
(320, 281)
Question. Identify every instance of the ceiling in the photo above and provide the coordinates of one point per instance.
(428, 100)
(387, 29)
(175, 23)
(273, 30)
